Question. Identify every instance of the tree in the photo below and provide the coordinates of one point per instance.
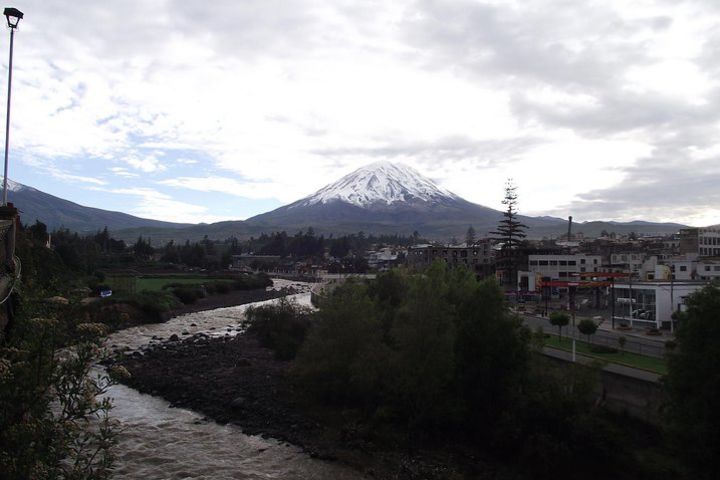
(693, 383)
(587, 327)
(559, 319)
(470, 236)
(511, 232)
(622, 340)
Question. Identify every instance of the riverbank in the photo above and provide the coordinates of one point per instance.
(234, 380)
(229, 299)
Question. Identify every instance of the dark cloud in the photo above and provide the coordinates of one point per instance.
(564, 43)
(665, 185)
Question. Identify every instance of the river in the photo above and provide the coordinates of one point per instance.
(160, 442)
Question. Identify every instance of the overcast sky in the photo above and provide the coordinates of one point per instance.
(203, 111)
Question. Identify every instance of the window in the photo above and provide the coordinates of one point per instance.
(571, 262)
(582, 261)
(533, 262)
(707, 268)
(582, 269)
(563, 263)
(683, 268)
(553, 262)
(543, 263)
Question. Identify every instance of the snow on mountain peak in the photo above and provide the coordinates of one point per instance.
(14, 186)
(380, 182)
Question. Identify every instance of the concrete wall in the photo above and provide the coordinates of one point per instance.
(622, 390)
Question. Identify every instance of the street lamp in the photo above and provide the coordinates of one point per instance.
(13, 16)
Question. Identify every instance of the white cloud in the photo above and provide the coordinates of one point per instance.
(224, 185)
(276, 95)
(147, 164)
(157, 205)
(123, 172)
(75, 178)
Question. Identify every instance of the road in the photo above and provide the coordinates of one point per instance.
(636, 343)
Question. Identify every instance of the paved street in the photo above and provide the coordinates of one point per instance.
(636, 342)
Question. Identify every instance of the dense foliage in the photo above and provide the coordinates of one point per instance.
(52, 424)
(281, 326)
(428, 350)
(440, 357)
(693, 383)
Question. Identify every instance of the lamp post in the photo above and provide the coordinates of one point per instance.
(13, 16)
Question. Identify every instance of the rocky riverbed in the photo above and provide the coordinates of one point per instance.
(233, 380)
(160, 440)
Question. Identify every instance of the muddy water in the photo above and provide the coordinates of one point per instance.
(159, 442)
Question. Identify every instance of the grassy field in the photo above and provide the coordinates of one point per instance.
(155, 284)
(652, 364)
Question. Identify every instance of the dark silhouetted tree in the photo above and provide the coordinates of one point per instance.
(511, 232)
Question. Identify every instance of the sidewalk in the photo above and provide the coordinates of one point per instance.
(615, 368)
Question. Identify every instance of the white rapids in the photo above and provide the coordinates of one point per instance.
(160, 442)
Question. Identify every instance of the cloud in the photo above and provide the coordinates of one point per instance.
(75, 178)
(123, 172)
(260, 98)
(157, 205)
(222, 185)
(147, 164)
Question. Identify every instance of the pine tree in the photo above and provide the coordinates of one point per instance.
(470, 236)
(511, 231)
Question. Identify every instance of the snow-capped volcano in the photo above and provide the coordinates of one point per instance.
(380, 183)
(14, 186)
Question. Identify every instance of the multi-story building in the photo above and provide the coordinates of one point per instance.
(704, 242)
(708, 269)
(629, 262)
(563, 266)
(683, 267)
(479, 256)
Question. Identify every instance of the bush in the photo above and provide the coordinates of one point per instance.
(602, 349)
(52, 424)
(188, 294)
(280, 326)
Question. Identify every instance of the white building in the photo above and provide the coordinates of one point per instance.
(651, 304)
(563, 267)
(628, 261)
(708, 269)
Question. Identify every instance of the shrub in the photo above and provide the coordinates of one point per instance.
(279, 326)
(602, 349)
(53, 425)
(188, 294)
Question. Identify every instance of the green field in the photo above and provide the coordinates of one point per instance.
(155, 284)
(652, 364)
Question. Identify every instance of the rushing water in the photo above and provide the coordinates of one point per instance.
(159, 442)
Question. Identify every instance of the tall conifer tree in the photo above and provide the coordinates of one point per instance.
(511, 232)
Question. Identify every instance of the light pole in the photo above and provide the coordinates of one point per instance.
(13, 16)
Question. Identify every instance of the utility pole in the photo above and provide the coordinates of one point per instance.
(13, 16)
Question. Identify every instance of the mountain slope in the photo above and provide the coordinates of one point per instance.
(56, 212)
(387, 198)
